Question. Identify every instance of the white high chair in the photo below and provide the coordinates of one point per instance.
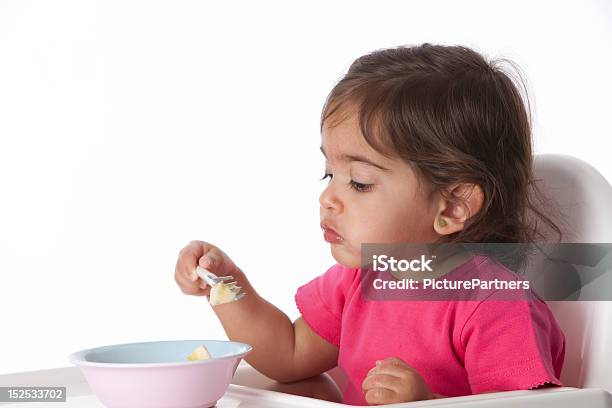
(584, 197)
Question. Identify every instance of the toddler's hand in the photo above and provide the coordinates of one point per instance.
(208, 257)
(394, 381)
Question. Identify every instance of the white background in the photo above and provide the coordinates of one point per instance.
(129, 128)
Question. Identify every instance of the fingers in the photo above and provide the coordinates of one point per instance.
(392, 366)
(208, 256)
(402, 382)
(216, 261)
(189, 287)
(188, 259)
(386, 381)
(394, 361)
(380, 396)
(185, 274)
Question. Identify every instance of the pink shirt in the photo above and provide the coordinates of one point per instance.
(459, 347)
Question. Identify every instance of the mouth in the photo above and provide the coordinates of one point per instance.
(330, 235)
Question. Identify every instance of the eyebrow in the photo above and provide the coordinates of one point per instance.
(357, 158)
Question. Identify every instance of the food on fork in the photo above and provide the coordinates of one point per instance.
(220, 292)
(223, 293)
(200, 353)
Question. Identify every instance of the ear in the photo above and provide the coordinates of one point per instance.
(452, 214)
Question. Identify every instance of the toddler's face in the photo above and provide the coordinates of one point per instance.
(369, 198)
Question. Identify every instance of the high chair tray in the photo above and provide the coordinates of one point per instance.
(79, 395)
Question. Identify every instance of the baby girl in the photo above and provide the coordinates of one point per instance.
(423, 144)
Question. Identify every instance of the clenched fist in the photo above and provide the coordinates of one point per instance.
(393, 381)
(208, 257)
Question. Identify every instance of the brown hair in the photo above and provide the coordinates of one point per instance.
(454, 117)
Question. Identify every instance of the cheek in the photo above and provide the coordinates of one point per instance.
(395, 222)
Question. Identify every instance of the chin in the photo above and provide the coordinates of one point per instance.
(345, 257)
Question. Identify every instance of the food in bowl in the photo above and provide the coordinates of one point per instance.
(200, 353)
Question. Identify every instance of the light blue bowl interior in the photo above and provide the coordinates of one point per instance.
(156, 352)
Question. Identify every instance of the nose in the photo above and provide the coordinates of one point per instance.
(329, 200)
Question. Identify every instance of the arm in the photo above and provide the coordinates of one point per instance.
(282, 350)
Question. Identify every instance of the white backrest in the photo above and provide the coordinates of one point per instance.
(584, 197)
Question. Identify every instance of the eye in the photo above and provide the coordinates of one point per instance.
(326, 175)
(361, 187)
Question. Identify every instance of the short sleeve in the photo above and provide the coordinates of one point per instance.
(321, 301)
(512, 345)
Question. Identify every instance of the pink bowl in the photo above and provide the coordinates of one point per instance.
(157, 374)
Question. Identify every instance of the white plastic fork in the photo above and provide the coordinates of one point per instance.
(211, 279)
